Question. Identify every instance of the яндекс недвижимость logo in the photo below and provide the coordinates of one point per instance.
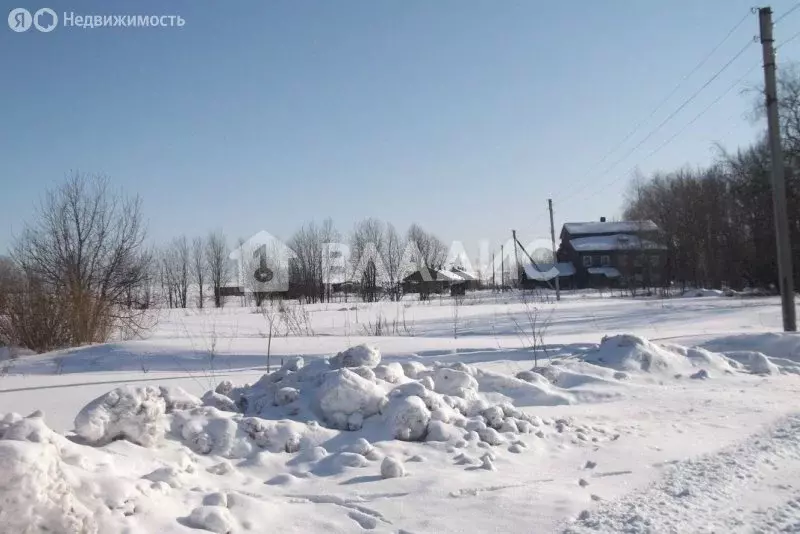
(20, 20)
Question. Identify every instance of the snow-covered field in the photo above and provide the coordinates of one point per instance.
(645, 415)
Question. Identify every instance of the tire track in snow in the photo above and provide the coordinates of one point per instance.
(714, 493)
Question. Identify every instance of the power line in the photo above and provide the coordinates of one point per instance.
(683, 128)
(787, 13)
(789, 40)
(675, 111)
(677, 86)
(658, 107)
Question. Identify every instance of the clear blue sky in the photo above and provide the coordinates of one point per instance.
(461, 115)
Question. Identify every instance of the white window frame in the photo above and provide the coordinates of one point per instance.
(605, 260)
(587, 261)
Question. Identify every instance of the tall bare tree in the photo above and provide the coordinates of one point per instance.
(218, 266)
(393, 260)
(85, 245)
(432, 250)
(367, 246)
(307, 267)
(199, 268)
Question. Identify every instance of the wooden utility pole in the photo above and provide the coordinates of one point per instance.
(553, 242)
(516, 258)
(494, 282)
(785, 276)
(502, 269)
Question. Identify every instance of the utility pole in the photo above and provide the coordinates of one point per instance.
(494, 282)
(516, 258)
(553, 241)
(778, 183)
(502, 269)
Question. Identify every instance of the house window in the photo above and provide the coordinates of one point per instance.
(605, 261)
(637, 261)
(654, 261)
(587, 261)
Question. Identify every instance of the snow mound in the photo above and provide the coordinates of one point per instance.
(35, 495)
(692, 293)
(358, 356)
(132, 413)
(630, 353)
(755, 362)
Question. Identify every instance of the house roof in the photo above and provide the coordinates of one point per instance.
(618, 227)
(434, 275)
(545, 270)
(598, 243)
(609, 272)
(464, 274)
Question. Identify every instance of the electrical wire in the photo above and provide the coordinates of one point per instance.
(787, 13)
(660, 105)
(674, 113)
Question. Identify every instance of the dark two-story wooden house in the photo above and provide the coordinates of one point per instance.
(613, 254)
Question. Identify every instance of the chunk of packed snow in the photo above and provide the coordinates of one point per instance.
(177, 398)
(413, 369)
(286, 395)
(132, 413)
(390, 372)
(453, 382)
(214, 518)
(441, 431)
(409, 418)
(392, 468)
(344, 393)
(357, 356)
(219, 401)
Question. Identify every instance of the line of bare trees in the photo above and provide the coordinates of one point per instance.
(202, 265)
(80, 272)
(717, 221)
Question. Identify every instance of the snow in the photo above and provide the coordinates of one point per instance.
(601, 429)
(359, 356)
(132, 413)
(608, 272)
(344, 394)
(392, 468)
(610, 227)
(600, 243)
(544, 271)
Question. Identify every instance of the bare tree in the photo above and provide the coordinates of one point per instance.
(393, 260)
(178, 264)
(85, 246)
(10, 281)
(367, 245)
(199, 268)
(307, 268)
(218, 266)
(432, 250)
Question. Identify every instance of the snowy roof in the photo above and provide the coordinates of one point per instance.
(613, 242)
(609, 272)
(464, 274)
(544, 271)
(597, 227)
(447, 275)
